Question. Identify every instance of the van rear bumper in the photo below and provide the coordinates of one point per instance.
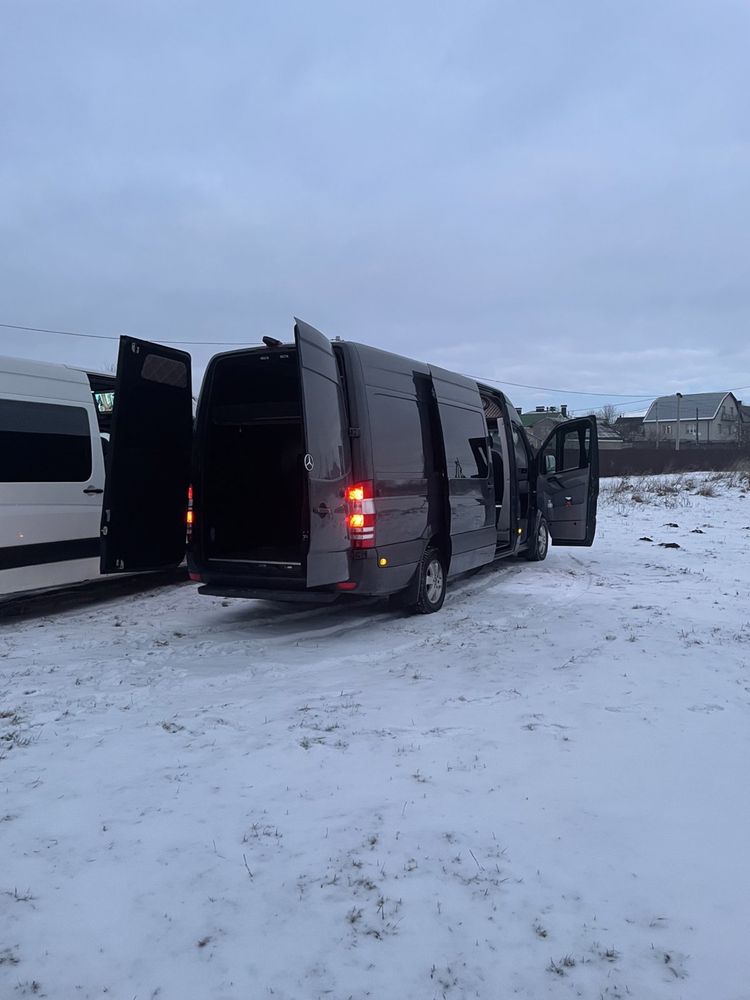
(371, 581)
(266, 594)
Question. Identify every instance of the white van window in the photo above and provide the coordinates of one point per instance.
(44, 443)
(105, 403)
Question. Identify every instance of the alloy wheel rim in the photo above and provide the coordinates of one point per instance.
(541, 544)
(434, 581)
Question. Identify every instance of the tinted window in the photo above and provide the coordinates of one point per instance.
(396, 435)
(569, 449)
(165, 371)
(324, 426)
(575, 448)
(44, 443)
(465, 437)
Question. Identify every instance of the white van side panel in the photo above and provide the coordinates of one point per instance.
(49, 531)
(47, 576)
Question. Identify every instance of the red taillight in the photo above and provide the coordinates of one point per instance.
(190, 514)
(356, 493)
(361, 517)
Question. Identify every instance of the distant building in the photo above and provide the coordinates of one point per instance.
(609, 438)
(630, 429)
(745, 415)
(705, 418)
(539, 422)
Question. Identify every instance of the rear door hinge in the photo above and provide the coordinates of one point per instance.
(354, 432)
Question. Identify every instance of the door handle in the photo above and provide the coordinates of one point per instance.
(92, 490)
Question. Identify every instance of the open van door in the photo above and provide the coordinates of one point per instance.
(568, 481)
(326, 459)
(148, 461)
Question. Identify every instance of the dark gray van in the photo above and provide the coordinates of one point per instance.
(322, 468)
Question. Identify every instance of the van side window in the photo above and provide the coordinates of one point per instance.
(44, 443)
(465, 437)
(574, 453)
(396, 435)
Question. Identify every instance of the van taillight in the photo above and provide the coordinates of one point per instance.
(190, 514)
(361, 517)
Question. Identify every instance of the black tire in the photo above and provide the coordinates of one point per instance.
(539, 543)
(428, 592)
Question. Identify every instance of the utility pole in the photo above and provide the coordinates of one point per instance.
(679, 400)
(739, 424)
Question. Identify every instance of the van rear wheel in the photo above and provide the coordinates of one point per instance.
(431, 583)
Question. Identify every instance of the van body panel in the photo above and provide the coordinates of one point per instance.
(52, 477)
(326, 459)
(395, 445)
(148, 468)
(471, 491)
(568, 481)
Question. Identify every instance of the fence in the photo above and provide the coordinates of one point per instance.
(645, 461)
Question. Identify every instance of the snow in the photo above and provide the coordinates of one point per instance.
(540, 792)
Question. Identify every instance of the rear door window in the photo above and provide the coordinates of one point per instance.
(44, 443)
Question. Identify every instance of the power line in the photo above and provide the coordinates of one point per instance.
(615, 406)
(243, 343)
(102, 336)
(546, 388)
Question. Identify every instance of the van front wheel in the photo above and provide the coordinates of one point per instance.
(430, 583)
(539, 544)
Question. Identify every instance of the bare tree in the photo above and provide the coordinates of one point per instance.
(607, 414)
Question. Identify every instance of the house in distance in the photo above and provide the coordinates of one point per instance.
(704, 418)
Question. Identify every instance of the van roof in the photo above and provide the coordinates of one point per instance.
(49, 369)
(41, 369)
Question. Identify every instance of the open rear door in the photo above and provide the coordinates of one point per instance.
(148, 461)
(326, 457)
(568, 481)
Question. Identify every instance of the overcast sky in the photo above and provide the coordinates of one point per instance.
(548, 193)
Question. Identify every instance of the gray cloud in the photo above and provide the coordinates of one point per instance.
(552, 194)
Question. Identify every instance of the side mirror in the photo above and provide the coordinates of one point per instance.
(550, 464)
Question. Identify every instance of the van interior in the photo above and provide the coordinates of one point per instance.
(253, 482)
(493, 413)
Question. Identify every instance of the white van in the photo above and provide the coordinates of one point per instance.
(54, 427)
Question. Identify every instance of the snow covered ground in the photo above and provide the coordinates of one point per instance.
(541, 791)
